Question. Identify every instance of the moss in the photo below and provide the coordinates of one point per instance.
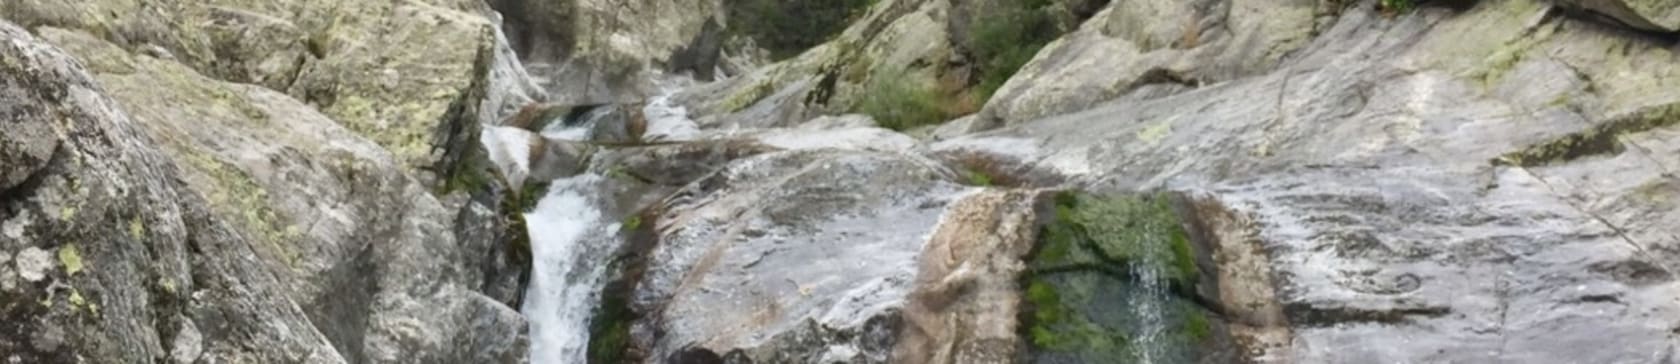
(471, 174)
(1599, 140)
(1502, 60)
(1196, 325)
(71, 258)
(632, 223)
(609, 331)
(748, 96)
(976, 177)
(512, 210)
(1090, 293)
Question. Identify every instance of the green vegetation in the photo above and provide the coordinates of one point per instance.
(898, 102)
(1098, 263)
(513, 209)
(787, 27)
(977, 178)
(1127, 233)
(609, 331)
(1398, 6)
(471, 174)
(1606, 138)
(1005, 40)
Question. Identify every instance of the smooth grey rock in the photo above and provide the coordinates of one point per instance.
(1130, 45)
(1442, 176)
(790, 257)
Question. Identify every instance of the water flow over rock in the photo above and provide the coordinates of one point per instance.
(570, 246)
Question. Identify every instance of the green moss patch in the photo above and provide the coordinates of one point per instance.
(513, 209)
(1110, 282)
(1604, 139)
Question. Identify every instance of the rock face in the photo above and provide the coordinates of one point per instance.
(1152, 48)
(171, 201)
(407, 75)
(108, 255)
(346, 231)
(966, 302)
(1349, 182)
(1652, 15)
(1397, 178)
(595, 51)
(1442, 175)
(817, 277)
(828, 79)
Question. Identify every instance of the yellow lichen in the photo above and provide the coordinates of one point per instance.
(235, 194)
(1154, 133)
(136, 229)
(71, 258)
(76, 299)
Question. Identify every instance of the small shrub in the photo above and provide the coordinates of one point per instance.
(1005, 40)
(897, 102)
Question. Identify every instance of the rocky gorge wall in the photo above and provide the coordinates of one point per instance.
(1254, 181)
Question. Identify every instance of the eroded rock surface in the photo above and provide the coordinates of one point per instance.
(814, 251)
(109, 255)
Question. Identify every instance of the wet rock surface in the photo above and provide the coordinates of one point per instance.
(817, 276)
(1349, 181)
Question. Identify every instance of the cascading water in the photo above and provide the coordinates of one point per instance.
(572, 240)
(1152, 295)
(570, 247)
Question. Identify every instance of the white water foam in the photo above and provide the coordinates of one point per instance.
(667, 121)
(570, 244)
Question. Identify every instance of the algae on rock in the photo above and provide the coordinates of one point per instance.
(1112, 281)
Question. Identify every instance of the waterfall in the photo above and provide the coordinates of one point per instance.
(1152, 297)
(571, 246)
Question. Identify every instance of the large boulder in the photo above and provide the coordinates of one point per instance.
(379, 267)
(409, 75)
(799, 256)
(1153, 48)
(106, 255)
(1442, 175)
